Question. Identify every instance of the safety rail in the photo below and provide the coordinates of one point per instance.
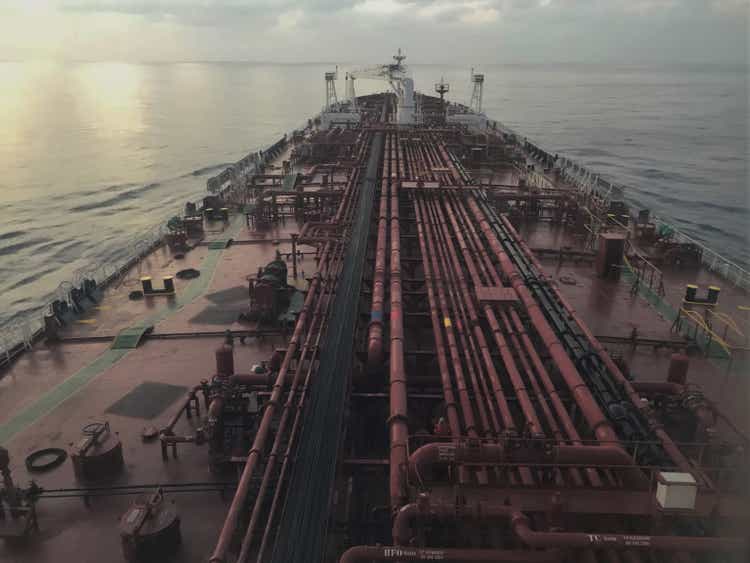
(701, 331)
(643, 270)
(727, 321)
(250, 163)
(19, 334)
(589, 182)
(713, 261)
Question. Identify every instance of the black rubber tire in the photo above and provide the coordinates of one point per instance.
(59, 454)
(188, 274)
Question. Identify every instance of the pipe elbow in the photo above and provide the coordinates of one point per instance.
(402, 522)
(358, 554)
(424, 457)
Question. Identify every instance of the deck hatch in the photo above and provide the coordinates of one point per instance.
(219, 244)
(130, 337)
(147, 400)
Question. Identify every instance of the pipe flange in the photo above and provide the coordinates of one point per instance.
(37, 461)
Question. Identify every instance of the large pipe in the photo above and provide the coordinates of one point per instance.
(375, 330)
(605, 456)
(252, 379)
(447, 325)
(459, 303)
(368, 553)
(521, 526)
(471, 245)
(265, 427)
(300, 377)
(497, 390)
(594, 416)
(669, 446)
(398, 421)
(451, 406)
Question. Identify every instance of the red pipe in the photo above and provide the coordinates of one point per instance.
(456, 211)
(609, 456)
(450, 399)
(367, 553)
(494, 388)
(521, 527)
(312, 340)
(463, 393)
(398, 421)
(459, 303)
(543, 540)
(375, 330)
(251, 378)
(669, 446)
(578, 388)
(265, 427)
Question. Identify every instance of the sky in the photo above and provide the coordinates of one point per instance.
(430, 31)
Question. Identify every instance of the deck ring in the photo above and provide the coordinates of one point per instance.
(567, 280)
(188, 274)
(35, 465)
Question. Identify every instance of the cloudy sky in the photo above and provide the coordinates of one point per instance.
(434, 31)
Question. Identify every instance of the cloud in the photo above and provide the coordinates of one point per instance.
(449, 31)
(288, 20)
(382, 7)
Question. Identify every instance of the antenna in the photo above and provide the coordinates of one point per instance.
(398, 57)
(476, 94)
(442, 88)
(331, 99)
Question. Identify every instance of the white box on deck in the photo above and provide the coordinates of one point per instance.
(676, 490)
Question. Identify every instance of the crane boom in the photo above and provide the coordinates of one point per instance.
(399, 78)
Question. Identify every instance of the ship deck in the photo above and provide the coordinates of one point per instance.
(52, 391)
(55, 389)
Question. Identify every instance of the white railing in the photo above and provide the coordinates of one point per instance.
(712, 260)
(588, 182)
(22, 330)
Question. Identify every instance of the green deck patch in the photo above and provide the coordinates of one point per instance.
(130, 337)
(54, 397)
(147, 400)
(59, 394)
(219, 244)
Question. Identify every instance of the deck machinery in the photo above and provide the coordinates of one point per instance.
(439, 397)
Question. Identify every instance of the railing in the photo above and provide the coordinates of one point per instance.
(19, 334)
(702, 333)
(588, 182)
(249, 164)
(713, 261)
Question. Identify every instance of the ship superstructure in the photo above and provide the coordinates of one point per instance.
(402, 332)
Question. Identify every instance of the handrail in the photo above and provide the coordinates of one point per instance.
(590, 182)
(22, 331)
(700, 323)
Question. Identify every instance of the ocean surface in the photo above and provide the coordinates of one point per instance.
(93, 154)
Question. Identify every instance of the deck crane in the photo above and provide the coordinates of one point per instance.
(398, 76)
